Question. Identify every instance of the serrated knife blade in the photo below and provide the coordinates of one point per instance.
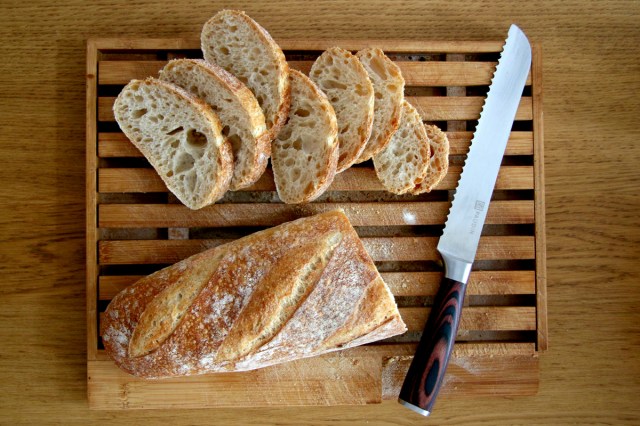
(459, 241)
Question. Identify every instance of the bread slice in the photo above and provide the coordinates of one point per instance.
(404, 162)
(388, 86)
(347, 85)
(438, 162)
(296, 290)
(238, 110)
(180, 136)
(238, 44)
(305, 153)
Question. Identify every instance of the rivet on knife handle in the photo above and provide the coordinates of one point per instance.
(461, 235)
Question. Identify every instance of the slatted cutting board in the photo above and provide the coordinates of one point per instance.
(135, 227)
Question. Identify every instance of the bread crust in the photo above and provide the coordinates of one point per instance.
(381, 136)
(224, 157)
(412, 133)
(329, 171)
(246, 99)
(281, 63)
(349, 148)
(438, 163)
(346, 302)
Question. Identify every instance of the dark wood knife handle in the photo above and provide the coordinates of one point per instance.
(424, 378)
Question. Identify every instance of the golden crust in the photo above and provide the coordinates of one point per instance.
(331, 164)
(438, 163)
(379, 141)
(224, 156)
(280, 64)
(349, 150)
(244, 96)
(344, 301)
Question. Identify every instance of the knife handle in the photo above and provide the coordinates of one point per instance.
(424, 378)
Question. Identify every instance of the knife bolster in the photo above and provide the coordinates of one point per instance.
(455, 268)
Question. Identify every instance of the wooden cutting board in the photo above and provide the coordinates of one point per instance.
(135, 227)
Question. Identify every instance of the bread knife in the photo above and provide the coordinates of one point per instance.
(459, 240)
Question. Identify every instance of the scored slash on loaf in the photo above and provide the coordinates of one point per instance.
(296, 290)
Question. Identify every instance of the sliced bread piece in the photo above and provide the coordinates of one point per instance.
(404, 162)
(388, 86)
(238, 44)
(438, 163)
(347, 85)
(181, 137)
(305, 153)
(238, 110)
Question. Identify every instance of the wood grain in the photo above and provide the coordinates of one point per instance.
(114, 145)
(263, 214)
(591, 166)
(382, 249)
(147, 180)
(414, 73)
(430, 108)
(400, 283)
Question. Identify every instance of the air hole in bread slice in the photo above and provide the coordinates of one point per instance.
(333, 84)
(184, 162)
(196, 139)
(174, 131)
(302, 112)
(223, 50)
(139, 113)
(378, 67)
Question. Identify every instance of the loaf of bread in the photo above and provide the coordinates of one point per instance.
(181, 137)
(305, 153)
(346, 82)
(237, 43)
(292, 291)
(404, 162)
(240, 115)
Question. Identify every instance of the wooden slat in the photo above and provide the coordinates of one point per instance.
(394, 46)
(461, 350)
(480, 375)
(540, 231)
(296, 44)
(431, 108)
(415, 73)
(480, 283)
(303, 382)
(520, 143)
(400, 283)
(497, 318)
(353, 179)
(116, 145)
(444, 108)
(474, 318)
(380, 248)
(91, 199)
(270, 214)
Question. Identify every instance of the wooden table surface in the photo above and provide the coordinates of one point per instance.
(591, 372)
